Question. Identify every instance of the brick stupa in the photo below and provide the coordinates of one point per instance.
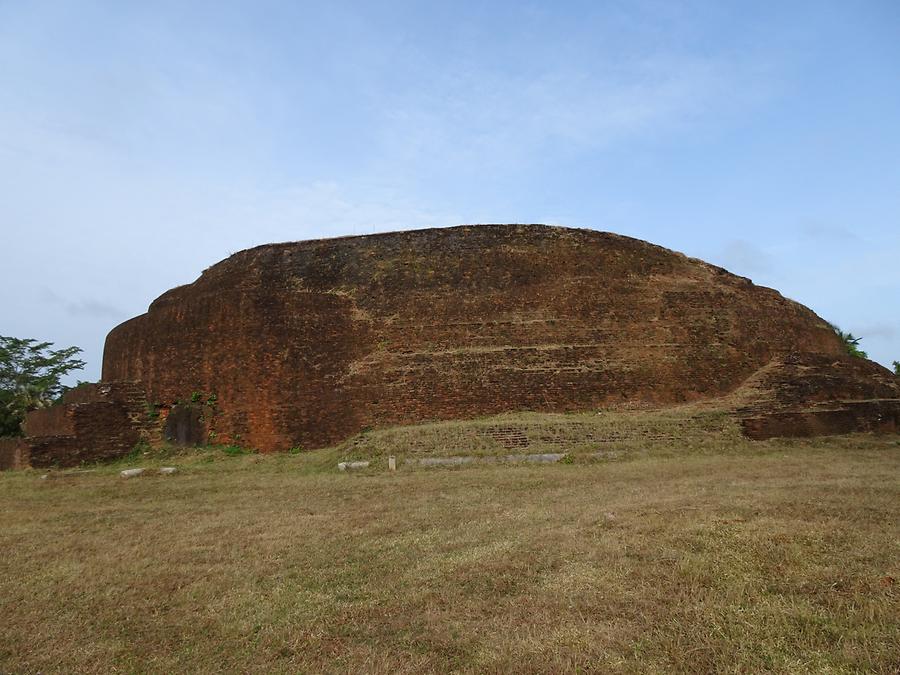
(308, 343)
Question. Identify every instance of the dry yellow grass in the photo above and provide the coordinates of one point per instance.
(775, 557)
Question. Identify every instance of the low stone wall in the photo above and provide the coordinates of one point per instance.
(13, 454)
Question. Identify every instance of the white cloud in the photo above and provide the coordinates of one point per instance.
(471, 115)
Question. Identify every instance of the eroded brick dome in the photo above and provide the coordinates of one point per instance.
(307, 343)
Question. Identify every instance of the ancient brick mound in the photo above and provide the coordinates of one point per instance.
(307, 343)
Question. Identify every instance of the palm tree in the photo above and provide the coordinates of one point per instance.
(851, 343)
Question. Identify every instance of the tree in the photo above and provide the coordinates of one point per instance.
(30, 378)
(896, 367)
(851, 343)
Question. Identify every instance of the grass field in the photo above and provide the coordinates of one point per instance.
(770, 557)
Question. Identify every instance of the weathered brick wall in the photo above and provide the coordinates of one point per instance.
(811, 395)
(307, 343)
(93, 422)
(53, 421)
(13, 454)
(875, 416)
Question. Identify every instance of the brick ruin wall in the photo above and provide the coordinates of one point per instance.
(13, 454)
(813, 395)
(307, 343)
(850, 416)
(93, 422)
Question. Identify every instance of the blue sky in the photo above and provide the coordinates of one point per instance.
(143, 142)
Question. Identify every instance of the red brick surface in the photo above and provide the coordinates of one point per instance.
(812, 395)
(13, 453)
(93, 422)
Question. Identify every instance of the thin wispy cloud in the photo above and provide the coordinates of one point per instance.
(88, 307)
(576, 109)
(881, 331)
(818, 232)
(745, 258)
